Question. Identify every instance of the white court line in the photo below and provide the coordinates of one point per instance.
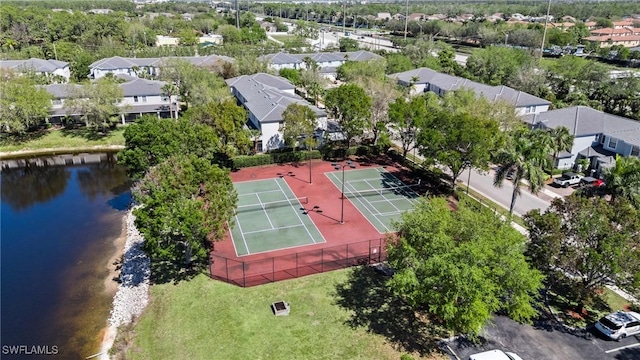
(622, 348)
(265, 211)
(259, 192)
(298, 215)
(384, 197)
(278, 228)
(353, 193)
(242, 234)
(366, 217)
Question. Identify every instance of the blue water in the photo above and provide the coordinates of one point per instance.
(57, 227)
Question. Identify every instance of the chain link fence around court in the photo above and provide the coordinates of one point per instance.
(290, 266)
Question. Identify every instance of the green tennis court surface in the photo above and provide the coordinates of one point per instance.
(380, 196)
(269, 217)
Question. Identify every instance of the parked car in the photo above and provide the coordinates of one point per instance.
(568, 179)
(591, 181)
(619, 325)
(495, 355)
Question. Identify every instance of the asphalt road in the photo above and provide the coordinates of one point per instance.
(483, 184)
(542, 342)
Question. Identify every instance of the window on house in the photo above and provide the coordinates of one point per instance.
(164, 98)
(259, 146)
(56, 102)
(135, 99)
(602, 139)
(613, 143)
(144, 99)
(635, 151)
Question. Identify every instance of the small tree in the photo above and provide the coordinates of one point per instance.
(351, 106)
(96, 103)
(22, 104)
(298, 122)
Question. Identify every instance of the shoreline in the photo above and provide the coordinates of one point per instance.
(132, 293)
(18, 154)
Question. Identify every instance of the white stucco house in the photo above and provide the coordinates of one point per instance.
(148, 66)
(57, 71)
(599, 136)
(141, 97)
(266, 97)
(425, 79)
(328, 62)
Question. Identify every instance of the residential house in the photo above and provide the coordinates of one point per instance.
(210, 39)
(622, 24)
(328, 62)
(140, 97)
(383, 16)
(266, 97)
(599, 136)
(416, 16)
(140, 67)
(57, 71)
(602, 41)
(425, 79)
(162, 40)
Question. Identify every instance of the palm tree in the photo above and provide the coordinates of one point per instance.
(623, 180)
(526, 154)
(562, 141)
(169, 90)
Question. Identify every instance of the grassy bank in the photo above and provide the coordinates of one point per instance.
(206, 319)
(58, 139)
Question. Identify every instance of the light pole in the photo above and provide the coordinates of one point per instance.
(337, 166)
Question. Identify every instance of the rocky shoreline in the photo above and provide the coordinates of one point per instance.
(133, 291)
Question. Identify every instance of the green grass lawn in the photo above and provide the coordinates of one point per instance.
(334, 315)
(55, 139)
(284, 38)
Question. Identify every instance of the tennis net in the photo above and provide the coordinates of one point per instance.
(405, 191)
(273, 204)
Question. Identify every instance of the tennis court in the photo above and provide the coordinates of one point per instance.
(269, 217)
(377, 194)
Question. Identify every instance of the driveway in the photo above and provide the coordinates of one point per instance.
(544, 342)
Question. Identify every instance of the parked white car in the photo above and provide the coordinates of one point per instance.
(495, 355)
(619, 325)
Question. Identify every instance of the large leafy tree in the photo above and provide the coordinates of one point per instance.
(97, 103)
(227, 119)
(150, 141)
(382, 93)
(298, 122)
(406, 117)
(467, 142)
(186, 202)
(196, 86)
(588, 241)
(526, 153)
(623, 180)
(462, 266)
(22, 104)
(495, 65)
(351, 106)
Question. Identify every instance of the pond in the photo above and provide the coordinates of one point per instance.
(61, 229)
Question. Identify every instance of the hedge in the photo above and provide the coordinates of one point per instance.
(244, 161)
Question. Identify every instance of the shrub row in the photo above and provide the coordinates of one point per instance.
(244, 161)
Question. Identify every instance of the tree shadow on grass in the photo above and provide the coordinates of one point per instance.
(86, 133)
(375, 308)
(17, 139)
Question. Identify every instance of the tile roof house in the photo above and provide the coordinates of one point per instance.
(266, 97)
(140, 97)
(598, 136)
(51, 68)
(151, 66)
(328, 62)
(425, 79)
